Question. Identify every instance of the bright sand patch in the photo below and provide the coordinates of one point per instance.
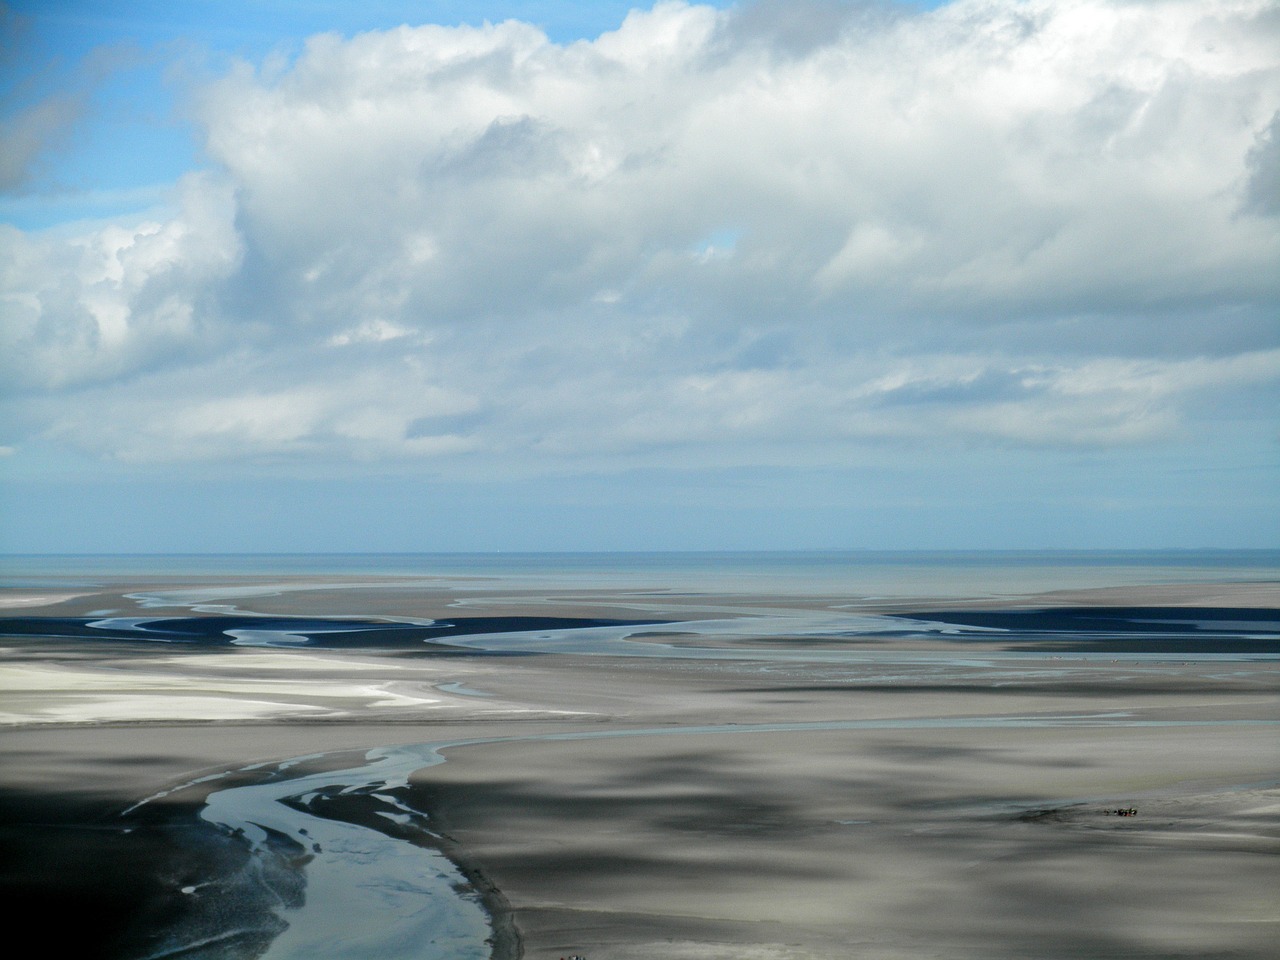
(236, 685)
(9, 600)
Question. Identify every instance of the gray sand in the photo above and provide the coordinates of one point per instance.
(925, 802)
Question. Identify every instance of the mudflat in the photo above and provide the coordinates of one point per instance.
(710, 784)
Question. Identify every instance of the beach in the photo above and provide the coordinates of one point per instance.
(657, 767)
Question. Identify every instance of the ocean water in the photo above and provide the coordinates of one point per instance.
(859, 574)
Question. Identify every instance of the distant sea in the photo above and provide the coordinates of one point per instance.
(856, 573)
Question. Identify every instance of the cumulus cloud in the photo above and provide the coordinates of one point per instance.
(722, 233)
(106, 301)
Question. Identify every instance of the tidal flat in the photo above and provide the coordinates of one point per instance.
(687, 758)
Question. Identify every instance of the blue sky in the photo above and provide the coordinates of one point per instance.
(451, 276)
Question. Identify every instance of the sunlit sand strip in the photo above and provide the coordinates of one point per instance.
(48, 693)
(36, 600)
(81, 710)
(55, 694)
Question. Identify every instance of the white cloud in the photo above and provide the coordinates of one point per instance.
(108, 301)
(370, 331)
(1040, 223)
(230, 410)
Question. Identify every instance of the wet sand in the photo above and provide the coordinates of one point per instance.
(926, 797)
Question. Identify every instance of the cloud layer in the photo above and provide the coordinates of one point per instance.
(774, 234)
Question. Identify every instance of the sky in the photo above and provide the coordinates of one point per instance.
(303, 275)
